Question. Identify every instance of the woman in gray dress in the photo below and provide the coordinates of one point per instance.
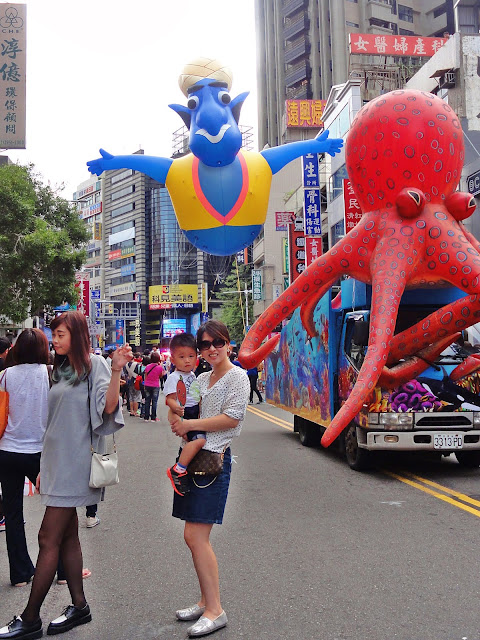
(83, 407)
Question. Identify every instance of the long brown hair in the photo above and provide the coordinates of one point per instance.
(31, 347)
(79, 355)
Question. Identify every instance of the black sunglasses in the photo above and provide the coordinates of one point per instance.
(203, 345)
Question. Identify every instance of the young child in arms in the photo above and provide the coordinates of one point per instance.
(183, 349)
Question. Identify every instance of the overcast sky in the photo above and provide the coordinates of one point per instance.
(100, 73)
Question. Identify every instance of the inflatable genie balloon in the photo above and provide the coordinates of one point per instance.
(219, 193)
(404, 156)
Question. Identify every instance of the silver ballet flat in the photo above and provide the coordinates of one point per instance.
(205, 626)
(190, 613)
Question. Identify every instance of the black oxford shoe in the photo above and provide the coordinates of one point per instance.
(71, 617)
(18, 629)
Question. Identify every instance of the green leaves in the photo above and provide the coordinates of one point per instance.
(233, 304)
(42, 241)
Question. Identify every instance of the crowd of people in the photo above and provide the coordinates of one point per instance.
(62, 407)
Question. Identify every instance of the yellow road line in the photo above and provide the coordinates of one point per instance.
(452, 492)
(440, 496)
(266, 416)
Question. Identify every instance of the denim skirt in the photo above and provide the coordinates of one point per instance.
(205, 503)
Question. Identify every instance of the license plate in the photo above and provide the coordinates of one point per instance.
(448, 440)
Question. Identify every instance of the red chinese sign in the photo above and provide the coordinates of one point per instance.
(282, 219)
(353, 213)
(412, 46)
(296, 249)
(305, 113)
(82, 284)
(313, 249)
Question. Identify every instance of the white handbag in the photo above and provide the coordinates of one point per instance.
(104, 469)
(104, 466)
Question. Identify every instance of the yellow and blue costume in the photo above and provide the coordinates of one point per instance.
(212, 216)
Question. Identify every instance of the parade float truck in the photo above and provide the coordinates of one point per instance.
(437, 411)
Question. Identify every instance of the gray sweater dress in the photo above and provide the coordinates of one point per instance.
(66, 457)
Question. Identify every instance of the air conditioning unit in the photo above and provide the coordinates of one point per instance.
(449, 79)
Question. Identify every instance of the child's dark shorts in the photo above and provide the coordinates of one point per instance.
(192, 413)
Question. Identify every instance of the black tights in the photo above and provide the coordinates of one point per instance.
(58, 537)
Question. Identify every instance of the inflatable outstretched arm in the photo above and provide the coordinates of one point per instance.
(278, 157)
(156, 168)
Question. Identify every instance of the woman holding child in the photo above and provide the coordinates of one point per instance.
(224, 397)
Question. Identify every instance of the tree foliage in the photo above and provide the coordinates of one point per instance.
(233, 304)
(42, 242)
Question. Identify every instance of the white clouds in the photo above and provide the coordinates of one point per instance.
(100, 73)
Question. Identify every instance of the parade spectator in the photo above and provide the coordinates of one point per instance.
(5, 345)
(27, 383)
(253, 377)
(153, 373)
(134, 394)
(83, 407)
(224, 392)
(202, 367)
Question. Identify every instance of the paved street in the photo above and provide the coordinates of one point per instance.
(308, 547)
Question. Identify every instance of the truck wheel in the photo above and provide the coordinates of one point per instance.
(358, 459)
(309, 432)
(469, 459)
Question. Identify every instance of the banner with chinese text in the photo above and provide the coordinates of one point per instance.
(310, 170)
(313, 249)
(173, 296)
(412, 46)
(13, 63)
(282, 219)
(304, 113)
(296, 248)
(353, 213)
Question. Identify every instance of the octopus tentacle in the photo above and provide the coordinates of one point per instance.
(469, 365)
(453, 317)
(315, 280)
(405, 371)
(386, 297)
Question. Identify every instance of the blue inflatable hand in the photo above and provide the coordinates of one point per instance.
(100, 165)
(329, 145)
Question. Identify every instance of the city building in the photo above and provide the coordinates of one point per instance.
(303, 49)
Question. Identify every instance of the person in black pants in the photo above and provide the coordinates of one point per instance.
(253, 377)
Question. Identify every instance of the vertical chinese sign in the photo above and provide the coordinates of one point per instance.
(312, 209)
(82, 284)
(257, 284)
(296, 249)
(353, 213)
(13, 59)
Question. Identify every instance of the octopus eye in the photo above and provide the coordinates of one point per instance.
(410, 203)
(460, 205)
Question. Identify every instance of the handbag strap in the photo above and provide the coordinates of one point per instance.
(91, 430)
(4, 376)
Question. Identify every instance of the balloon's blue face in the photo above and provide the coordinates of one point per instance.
(211, 116)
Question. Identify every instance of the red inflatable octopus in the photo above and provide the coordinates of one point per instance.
(404, 156)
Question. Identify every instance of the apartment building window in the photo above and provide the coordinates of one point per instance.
(116, 264)
(405, 13)
(122, 227)
(123, 245)
(121, 176)
(406, 32)
(352, 24)
(336, 182)
(122, 192)
(439, 11)
(124, 209)
(122, 280)
(354, 1)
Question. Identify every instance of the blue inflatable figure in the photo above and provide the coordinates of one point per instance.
(219, 192)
